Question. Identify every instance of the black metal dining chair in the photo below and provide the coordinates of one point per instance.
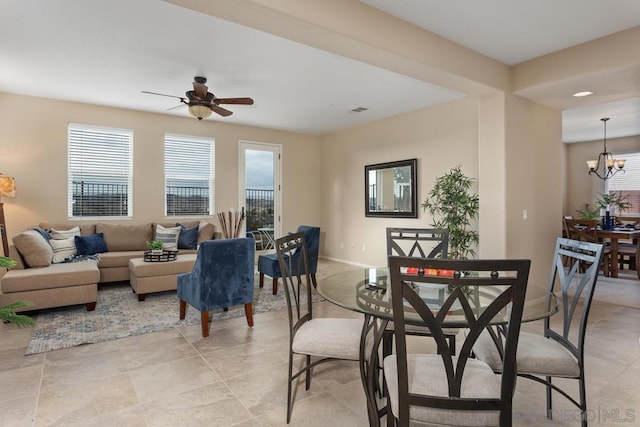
(443, 389)
(419, 243)
(324, 339)
(559, 352)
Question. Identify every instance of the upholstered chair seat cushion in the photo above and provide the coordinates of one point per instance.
(330, 337)
(427, 376)
(536, 355)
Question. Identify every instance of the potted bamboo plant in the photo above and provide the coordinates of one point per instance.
(453, 205)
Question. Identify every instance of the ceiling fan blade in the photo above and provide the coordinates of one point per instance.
(176, 107)
(222, 111)
(162, 94)
(200, 90)
(237, 101)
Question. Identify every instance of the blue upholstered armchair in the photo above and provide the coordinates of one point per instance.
(222, 277)
(268, 264)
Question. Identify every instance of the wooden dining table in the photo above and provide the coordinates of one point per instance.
(613, 236)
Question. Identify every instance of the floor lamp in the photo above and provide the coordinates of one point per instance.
(7, 189)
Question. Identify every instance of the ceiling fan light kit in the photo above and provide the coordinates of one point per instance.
(203, 103)
(199, 111)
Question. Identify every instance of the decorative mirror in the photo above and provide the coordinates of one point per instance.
(390, 189)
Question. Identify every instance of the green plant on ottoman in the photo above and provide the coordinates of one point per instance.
(155, 246)
(8, 312)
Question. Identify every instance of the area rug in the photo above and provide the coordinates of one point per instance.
(119, 314)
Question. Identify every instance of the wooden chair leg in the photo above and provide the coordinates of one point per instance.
(204, 316)
(183, 309)
(248, 311)
(275, 286)
(313, 280)
(261, 280)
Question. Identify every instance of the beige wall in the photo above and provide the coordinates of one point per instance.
(33, 140)
(581, 187)
(323, 177)
(440, 138)
(533, 183)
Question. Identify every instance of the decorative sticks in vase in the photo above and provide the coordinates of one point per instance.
(231, 223)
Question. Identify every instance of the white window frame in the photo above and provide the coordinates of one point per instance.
(190, 166)
(95, 152)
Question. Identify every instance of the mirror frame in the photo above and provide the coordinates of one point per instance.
(413, 213)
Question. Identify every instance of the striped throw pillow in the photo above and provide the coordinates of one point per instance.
(64, 234)
(168, 236)
(62, 249)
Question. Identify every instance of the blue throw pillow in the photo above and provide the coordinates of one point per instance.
(91, 244)
(188, 237)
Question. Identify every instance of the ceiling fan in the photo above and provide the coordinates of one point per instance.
(202, 103)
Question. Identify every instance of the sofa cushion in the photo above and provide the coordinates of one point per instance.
(56, 234)
(33, 247)
(125, 237)
(118, 259)
(206, 231)
(90, 245)
(168, 236)
(188, 238)
(55, 276)
(15, 255)
(63, 248)
(85, 229)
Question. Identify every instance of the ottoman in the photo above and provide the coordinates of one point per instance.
(148, 277)
(57, 285)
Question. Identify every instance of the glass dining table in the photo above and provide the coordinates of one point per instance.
(368, 291)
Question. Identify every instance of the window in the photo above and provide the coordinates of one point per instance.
(189, 175)
(99, 172)
(628, 182)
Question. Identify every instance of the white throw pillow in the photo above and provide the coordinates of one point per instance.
(64, 234)
(168, 237)
(63, 249)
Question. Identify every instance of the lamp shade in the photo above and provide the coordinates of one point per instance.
(199, 111)
(7, 186)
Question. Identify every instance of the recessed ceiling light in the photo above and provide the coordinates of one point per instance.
(581, 94)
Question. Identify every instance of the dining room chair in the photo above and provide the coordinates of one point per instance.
(268, 264)
(586, 230)
(559, 351)
(420, 243)
(323, 339)
(222, 276)
(443, 389)
(628, 249)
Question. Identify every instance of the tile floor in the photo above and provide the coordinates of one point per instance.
(237, 377)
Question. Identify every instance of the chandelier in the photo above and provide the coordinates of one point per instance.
(606, 166)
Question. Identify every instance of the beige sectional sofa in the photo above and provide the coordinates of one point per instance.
(68, 283)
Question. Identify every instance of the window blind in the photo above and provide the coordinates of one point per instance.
(627, 183)
(189, 168)
(99, 171)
